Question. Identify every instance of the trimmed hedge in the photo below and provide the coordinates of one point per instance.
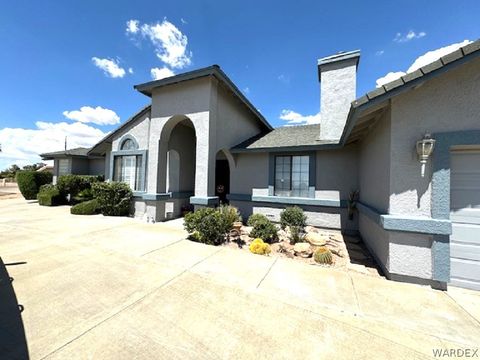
(206, 225)
(29, 182)
(49, 195)
(113, 198)
(74, 184)
(293, 216)
(85, 208)
(262, 228)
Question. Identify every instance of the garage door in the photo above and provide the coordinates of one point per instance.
(465, 216)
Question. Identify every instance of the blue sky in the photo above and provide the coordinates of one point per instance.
(268, 48)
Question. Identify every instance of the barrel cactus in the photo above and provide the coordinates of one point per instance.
(323, 255)
(259, 247)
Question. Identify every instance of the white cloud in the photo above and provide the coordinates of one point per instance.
(98, 115)
(132, 26)
(284, 78)
(411, 35)
(169, 42)
(161, 73)
(23, 146)
(294, 118)
(130, 70)
(422, 60)
(246, 90)
(110, 67)
(379, 52)
(184, 22)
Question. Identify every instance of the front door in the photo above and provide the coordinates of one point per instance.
(222, 180)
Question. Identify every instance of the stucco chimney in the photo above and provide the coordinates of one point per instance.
(338, 84)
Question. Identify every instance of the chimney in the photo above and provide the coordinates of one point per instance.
(338, 81)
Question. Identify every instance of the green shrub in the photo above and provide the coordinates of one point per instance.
(295, 235)
(84, 195)
(49, 195)
(323, 255)
(113, 198)
(262, 228)
(206, 225)
(293, 216)
(74, 184)
(258, 247)
(254, 218)
(85, 208)
(229, 215)
(29, 182)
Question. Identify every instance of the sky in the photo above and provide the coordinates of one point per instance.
(68, 68)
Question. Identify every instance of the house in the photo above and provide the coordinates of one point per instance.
(200, 141)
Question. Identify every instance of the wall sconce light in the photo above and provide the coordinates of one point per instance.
(424, 150)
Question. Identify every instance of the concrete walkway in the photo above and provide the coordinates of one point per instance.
(94, 287)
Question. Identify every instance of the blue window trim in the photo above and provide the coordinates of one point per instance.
(143, 166)
(311, 170)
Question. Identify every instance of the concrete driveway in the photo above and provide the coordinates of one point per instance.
(80, 287)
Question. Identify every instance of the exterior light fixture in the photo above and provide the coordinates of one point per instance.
(424, 150)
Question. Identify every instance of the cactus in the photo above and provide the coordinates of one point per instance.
(259, 247)
(323, 255)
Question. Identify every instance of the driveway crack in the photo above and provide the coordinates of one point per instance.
(268, 271)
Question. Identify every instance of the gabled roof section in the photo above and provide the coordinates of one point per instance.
(375, 100)
(96, 149)
(77, 152)
(214, 71)
(291, 138)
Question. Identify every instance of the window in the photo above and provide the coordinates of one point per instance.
(63, 167)
(128, 144)
(292, 175)
(127, 169)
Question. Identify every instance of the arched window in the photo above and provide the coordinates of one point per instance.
(128, 144)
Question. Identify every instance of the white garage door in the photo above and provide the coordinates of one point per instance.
(465, 216)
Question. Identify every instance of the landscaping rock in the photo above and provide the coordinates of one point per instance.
(303, 249)
(311, 229)
(246, 239)
(246, 230)
(316, 239)
(282, 235)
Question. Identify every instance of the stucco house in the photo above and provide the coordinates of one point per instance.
(200, 141)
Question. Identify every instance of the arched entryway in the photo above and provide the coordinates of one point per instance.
(176, 164)
(222, 177)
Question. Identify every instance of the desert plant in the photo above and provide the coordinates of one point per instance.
(229, 216)
(293, 216)
(29, 182)
(259, 247)
(49, 195)
(254, 218)
(206, 225)
(295, 234)
(85, 208)
(323, 255)
(262, 228)
(113, 198)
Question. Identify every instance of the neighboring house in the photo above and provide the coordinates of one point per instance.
(201, 141)
(48, 168)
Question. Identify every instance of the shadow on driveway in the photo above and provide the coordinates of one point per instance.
(13, 344)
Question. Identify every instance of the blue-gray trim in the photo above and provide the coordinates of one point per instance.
(441, 167)
(239, 197)
(312, 170)
(204, 200)
(406, 223)
(143, 167)
(287, 200)
(127, 137)
(441, 257)
(163, 196)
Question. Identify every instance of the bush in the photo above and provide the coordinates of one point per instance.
(85, 208)
(254, 218)
(206, 225)
(229, 215)
(74, 184)
(49, 195)
(113, 198)
(293, 216)
(259, 247)
(84, 195)
(262, 228)
(323, 255)
(29, 182)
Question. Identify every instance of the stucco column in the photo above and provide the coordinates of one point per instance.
(205, 156)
